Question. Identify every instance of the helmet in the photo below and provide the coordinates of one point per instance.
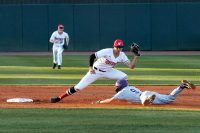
(120, 84)
(118, 43)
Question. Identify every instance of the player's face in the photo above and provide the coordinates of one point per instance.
(60, 29)
(118, 49)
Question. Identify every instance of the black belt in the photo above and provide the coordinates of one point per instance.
(99, 69)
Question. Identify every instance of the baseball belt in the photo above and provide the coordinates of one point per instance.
(99, 69)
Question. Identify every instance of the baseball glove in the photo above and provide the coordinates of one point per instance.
(134, 48)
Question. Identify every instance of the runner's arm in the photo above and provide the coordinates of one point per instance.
(106, 100)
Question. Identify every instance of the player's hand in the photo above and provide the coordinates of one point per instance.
(56, 41)
(97, 102)
(92, 71)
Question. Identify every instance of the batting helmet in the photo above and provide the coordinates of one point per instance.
(120, 84)
(118, 43)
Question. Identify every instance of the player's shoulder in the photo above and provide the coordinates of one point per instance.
(124, 90)
(55, 32)
(109, 49)
(65, 33)
(103, 52)
(128, 87)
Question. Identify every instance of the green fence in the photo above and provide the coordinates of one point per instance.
(155, 26)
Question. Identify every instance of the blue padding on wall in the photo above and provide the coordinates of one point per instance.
(188, 27)
(11, 28)
(112, 24)
(86, 27)
(35, 28)
(164, 36)
(138, 25)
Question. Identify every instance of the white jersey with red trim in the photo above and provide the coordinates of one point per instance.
(106, 59)
(59, 38)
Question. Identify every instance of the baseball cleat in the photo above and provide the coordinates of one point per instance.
(54, 66)
(59, 67)
(149, 100)
(55, 99)
(186, 84)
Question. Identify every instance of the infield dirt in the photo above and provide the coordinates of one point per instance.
(41, 94)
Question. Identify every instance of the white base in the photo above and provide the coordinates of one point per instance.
(19, 100)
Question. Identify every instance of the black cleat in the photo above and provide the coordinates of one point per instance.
(55, 99)
(59, 66)
(54, 65)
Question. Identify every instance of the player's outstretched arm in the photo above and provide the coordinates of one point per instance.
(133, 63)
(105, 101)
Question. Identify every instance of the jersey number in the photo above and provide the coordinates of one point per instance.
(135, 91)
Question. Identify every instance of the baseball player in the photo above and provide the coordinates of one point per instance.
(103, 67)
(133, 94)
(58, 39)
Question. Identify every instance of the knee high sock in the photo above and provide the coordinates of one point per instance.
(176, 91)
(70, 91)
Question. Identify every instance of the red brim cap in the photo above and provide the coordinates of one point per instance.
(119, 43)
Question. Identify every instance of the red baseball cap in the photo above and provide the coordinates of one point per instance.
(60, 26)
(118, 43)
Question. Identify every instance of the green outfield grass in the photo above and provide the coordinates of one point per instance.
(146, 120)
(151, 70)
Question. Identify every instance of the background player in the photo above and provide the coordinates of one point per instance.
(133, 94)
(58, 39)
(107, 59)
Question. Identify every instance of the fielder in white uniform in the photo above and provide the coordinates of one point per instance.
(58, 39)
(133, 94)
(104, 67)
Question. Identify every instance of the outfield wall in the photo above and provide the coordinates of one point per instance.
(155, 26)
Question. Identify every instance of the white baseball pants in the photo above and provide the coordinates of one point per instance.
(90, 78)
(57, 54)
(162, 98)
